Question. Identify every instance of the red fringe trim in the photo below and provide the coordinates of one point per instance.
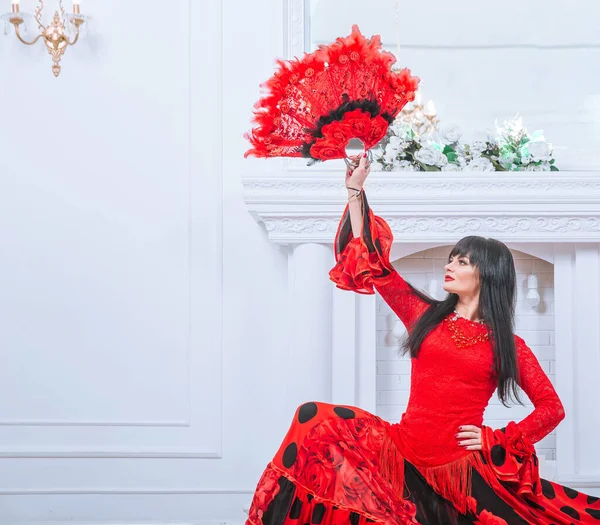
(452, 481)
(391, 465)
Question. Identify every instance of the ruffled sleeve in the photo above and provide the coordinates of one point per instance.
(512, 458)
(362, 265)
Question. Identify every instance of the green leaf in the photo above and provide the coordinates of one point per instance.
(497, 165)
(448, 149)
(554, 168)
(427, 167)
(452, 157)
(552, 161)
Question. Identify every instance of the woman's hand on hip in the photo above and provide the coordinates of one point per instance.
(469, 437)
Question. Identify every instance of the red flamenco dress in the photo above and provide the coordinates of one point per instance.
(340, 465)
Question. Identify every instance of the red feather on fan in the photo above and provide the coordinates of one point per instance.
(312, 107)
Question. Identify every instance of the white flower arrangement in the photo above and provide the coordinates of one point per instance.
(511, 148)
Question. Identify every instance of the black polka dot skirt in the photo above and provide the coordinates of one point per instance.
(327, 471)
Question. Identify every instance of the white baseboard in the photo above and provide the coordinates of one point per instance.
(201, 522)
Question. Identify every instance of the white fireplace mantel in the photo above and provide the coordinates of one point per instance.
(552, 215)
(434, 208)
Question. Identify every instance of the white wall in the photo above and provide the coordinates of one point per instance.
(142, 309)
(536, 326)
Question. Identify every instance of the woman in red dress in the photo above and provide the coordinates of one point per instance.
(340, 465)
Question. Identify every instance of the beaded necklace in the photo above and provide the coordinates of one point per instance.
(460, 338)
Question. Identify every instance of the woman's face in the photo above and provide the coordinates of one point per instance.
(461, 277)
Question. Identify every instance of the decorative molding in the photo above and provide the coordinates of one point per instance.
(123, 491)
(579, 480)
(447, 229)
(516, 225)
(443, 187)
(131, 522)
(517, 207)
(200, 209)
(297, 25)
(309, 229)
(296, 30)
(121, 452)
(100, 423)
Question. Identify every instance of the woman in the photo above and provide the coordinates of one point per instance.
(342, 465)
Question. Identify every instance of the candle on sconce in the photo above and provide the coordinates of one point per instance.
(76, 6)
(15, 6)
(429, 109)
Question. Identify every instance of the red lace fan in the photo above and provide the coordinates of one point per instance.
(315, 105)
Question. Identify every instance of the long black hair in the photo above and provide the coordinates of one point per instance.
(497, 297)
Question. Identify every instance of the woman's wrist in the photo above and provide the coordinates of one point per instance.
(353, 194)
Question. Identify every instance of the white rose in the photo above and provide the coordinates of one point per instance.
(391, 151)
(451, 167)
(450, 134)
(539, 151)
(478, 146)
(525, 160)
(404, 165)
(398, 127)
(431, 156)
(395, 142)
(482, 141)
(389, 156)
(427, 155)
(480, 164)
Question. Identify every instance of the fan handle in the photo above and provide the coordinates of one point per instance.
(355, 149)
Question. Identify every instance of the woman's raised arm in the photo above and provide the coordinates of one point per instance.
(362, 246)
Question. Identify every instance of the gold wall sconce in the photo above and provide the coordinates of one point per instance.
(62, 32)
